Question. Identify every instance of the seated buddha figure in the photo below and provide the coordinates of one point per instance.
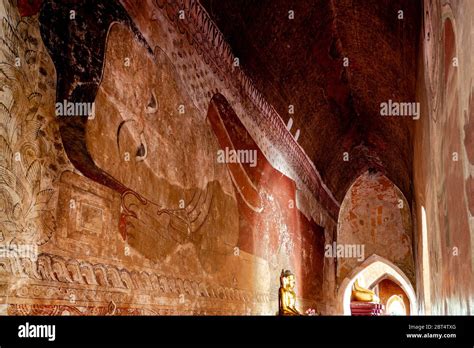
(363, 295)
(286, 294)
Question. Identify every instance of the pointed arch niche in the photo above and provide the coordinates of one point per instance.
(373, 270)
(375, 220)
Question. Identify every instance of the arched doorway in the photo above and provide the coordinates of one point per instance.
(370, 273)
(374, 220)
(395, 306)
(393, 297)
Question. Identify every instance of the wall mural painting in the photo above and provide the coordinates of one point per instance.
(138, 205)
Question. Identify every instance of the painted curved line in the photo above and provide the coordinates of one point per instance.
(244, 185)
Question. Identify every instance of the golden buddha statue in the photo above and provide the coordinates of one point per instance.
(286, 294)
(363, 295)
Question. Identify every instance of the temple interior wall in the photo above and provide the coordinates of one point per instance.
(180, 232)
(183, 238)
(443, 158)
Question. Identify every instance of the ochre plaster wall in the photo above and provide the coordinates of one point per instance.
(182, 238)
(443, 161)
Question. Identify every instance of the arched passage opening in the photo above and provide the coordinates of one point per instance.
(372, 273)
(374, 219)
(396, 306)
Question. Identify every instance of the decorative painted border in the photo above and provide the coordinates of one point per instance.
(60, 270)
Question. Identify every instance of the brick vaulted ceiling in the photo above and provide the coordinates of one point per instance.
(300, 62)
